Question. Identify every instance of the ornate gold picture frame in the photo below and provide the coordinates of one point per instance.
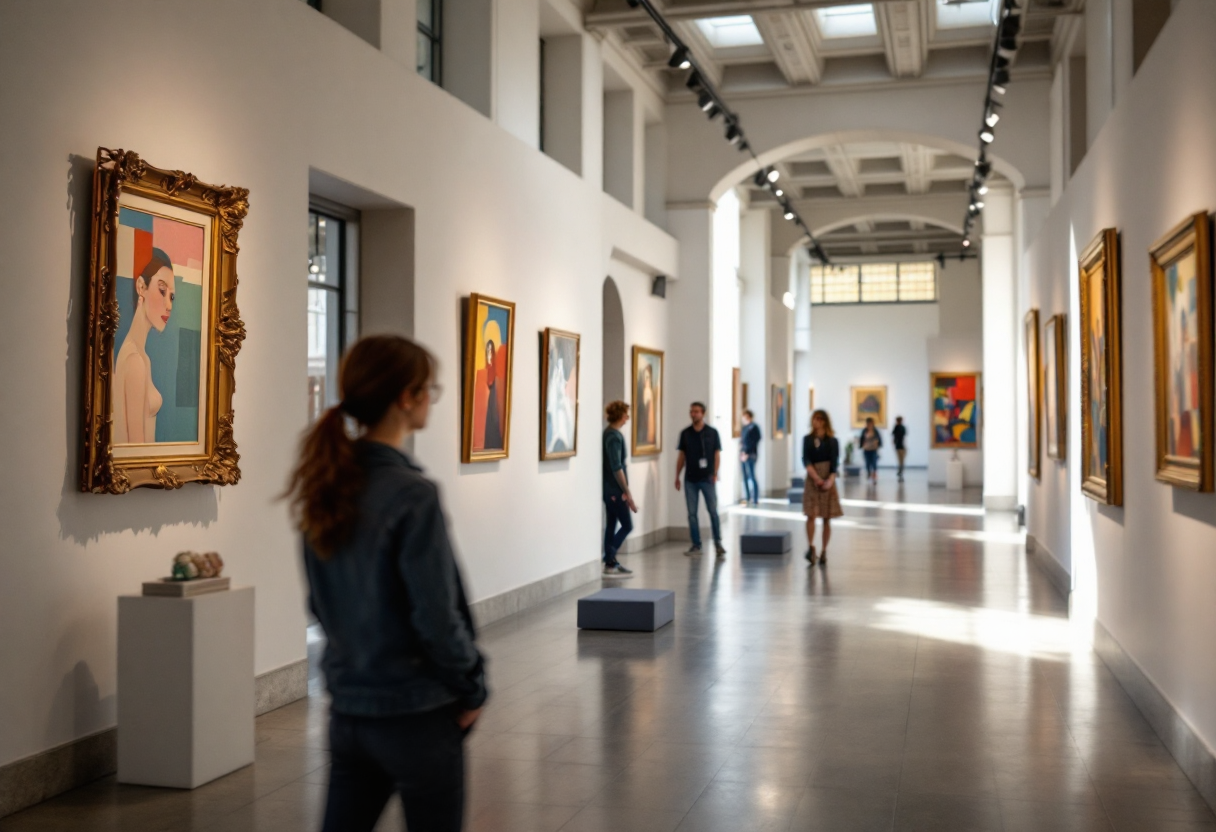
(1034, 395)
(1055, 386)
(164, 329)
(1182, 353)
(1102, 370)
(488, 365)
(648, 381)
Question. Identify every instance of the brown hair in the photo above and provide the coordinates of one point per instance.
(827, 422)
(326, 484)
(615, 411)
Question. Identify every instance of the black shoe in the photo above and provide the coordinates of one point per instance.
(810, 555)
(823, 558)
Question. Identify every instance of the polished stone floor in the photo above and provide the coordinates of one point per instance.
(927, 679)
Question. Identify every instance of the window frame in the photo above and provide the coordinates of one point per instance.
(857, 269)
(434, 36)
(344, 291)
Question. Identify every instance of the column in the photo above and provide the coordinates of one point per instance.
(1001, 438)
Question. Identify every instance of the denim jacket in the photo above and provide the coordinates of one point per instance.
(400, 636)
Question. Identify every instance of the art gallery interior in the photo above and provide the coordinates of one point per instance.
(794, 194)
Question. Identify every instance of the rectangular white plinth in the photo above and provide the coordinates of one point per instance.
(185, 688)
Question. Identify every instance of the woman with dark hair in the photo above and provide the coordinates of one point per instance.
(820, 457)
(406, 678)
(135, 401)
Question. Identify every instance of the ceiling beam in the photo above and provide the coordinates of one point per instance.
(844, 168)
(794, 44)
(903, 40)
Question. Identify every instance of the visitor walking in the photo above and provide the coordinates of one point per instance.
(898, 434)
(618, 501)
(406, 679)
(821, 458)
(700, 450)
(749, 452)
(870, 441)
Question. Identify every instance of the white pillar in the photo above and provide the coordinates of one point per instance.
(754, 263)
(1001, 341)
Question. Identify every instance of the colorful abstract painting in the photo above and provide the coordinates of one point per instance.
(487, 416)
(780, 411)
(868, 403)
(956, 410)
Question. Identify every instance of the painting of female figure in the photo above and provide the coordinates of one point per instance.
(487, 405)
(1101, 371)
(559, 395)
(647, 401)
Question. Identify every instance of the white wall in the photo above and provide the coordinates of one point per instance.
(282, 89)
(1149, 167)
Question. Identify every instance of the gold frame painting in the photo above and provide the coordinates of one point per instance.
(1102, 370)
(1055, 386)
(810, 399)
(779, 403)
(1182, 353)
(648, 415)
(1034, 395)
(489, 323)
(559, 380)
(736, 403)
(162, 237)
(857, 396)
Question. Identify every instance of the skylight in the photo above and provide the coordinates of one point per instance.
(953, 14)
(855, 21)
(728, 32)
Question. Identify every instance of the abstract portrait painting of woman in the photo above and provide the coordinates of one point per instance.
(647, 400)
(487, 403)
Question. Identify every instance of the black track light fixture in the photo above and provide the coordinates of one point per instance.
(761, 178)
(713, 112)
(733, 134)
(983, 168)
(694, 82)
(679, 59)
(705, 101)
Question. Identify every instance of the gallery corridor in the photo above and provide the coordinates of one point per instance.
(928, 678)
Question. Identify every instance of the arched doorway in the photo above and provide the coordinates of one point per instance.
(614, 343)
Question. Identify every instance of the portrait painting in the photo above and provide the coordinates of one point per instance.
(1055, 386)
(781, 412)
(164, 328)
(559, 394)
(489, 346)
(1101, 371)
(736, 403)
(810, 399)
(868, 403)
(955, 418)
(1034, 394)
(1182, 329)
(647, 414)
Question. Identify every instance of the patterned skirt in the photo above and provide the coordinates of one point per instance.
(819, 503)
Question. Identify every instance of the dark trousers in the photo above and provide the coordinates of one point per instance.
(418, 756)
(871, 461)
(618, 515)
(751, 489)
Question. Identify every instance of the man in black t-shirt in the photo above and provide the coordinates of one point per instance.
(898, 433)
(700, 454)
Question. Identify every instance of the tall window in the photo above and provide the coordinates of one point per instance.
(429, 36)
(332, 312)
(874, 283)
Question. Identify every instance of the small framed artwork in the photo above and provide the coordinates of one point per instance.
(1034, 395)
(789, 408)
(743, 387)
(647, 401)
(164, 330)
(868, 403)
(489, 347)
(1101, 371)
(956, 410)
(780, 408)
(1055, 386)
(810, 399)
(559, 394)
(736, 403)
(1182, 354)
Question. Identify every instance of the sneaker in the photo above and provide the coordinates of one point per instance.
(693, 550)
(617, 571)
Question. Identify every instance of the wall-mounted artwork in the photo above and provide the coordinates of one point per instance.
(647, 401)
(956, 410)
(164, 328)
(1182, 329)
(559, 394)
(489, 347)
(736, 403)
(1101, 371)
(780, 411)
(1034, 395)
(810, 399)
(1055, 386)
(868, 403)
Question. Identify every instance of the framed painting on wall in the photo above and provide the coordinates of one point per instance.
(736, 403)
(868, 403)
(743, 388)
(1034, 395)
(489, 347)
(164, 328)
(1101, 371)
(647, 401)
(810, 399)
(1055, 386)
(1182, 353)
(559, 394)
(956, 410)
(780, 409)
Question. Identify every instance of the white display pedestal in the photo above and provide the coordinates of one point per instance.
(954, 475)
(185, 687)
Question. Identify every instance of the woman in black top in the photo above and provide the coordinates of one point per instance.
(820, 457)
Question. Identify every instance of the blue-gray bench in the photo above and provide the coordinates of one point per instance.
(644, 610)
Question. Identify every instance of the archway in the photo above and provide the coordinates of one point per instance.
(614, 344)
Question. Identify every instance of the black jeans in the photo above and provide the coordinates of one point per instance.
(418, 756)
(618, 513)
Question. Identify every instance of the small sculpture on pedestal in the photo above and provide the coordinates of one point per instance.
(190, 565)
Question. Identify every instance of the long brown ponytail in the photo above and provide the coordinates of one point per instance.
(326, 484)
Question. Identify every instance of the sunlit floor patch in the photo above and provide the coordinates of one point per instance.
(916, 508)
(1010, 538)
(797, 516)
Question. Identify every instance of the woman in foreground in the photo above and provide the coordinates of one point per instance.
(820, 498)
(406, 678)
